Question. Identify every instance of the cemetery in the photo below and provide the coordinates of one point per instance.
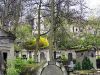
(49, 37)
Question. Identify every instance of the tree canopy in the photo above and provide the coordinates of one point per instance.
(31, 44)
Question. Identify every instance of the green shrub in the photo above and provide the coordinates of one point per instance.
(63, 58)
(97, 57)
(19, 64)
(86, 64)
(12, 71)
(77, 66)
(22, 65)
(31, 61)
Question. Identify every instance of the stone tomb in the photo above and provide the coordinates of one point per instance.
(52, 68)
(6, 49)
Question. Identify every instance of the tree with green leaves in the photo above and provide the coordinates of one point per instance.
(23, 33)
(31, 44)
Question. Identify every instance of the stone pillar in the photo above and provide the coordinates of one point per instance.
(11, 56)
(1, 71)
(47, 56)
(38, 56)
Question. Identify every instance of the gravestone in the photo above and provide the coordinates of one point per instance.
(52, 68)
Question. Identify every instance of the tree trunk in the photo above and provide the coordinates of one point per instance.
(38, 35)
(51, 34)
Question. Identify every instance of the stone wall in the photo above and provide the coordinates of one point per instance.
(90, 54)
(6, 48)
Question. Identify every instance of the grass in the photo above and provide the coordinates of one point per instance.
(97, 57)
(34, 66)
(85, 71)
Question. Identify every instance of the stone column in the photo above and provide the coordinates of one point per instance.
(1, 63)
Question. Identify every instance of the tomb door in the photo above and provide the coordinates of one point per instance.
(1, 61)
(5, 61)
(70, 57)
(30, 54)
(42, 57)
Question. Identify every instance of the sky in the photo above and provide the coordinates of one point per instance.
(95, 5)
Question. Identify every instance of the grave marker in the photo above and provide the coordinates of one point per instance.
(52, 68)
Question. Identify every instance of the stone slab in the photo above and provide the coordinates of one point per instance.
(52, 70)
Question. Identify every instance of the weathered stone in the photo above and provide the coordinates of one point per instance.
(52, 63)
(6, 49)
(52, 70)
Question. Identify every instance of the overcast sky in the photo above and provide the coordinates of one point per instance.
(95, 5)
